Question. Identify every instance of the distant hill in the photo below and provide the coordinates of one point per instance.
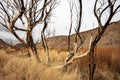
(111, 38)
(3, 44)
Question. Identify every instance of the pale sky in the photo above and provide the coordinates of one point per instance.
(61, 19)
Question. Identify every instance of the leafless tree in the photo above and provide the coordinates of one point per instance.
(104, 5)
(76, 46)
(52, 5)
(29, 13)
(71, 53)
(99, 12)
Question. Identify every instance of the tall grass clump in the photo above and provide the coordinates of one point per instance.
(24, 68)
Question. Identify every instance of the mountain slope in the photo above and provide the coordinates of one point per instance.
(111, 38)
(3, 44)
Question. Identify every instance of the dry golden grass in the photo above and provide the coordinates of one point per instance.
(107, 64)
(109, 57)
(55, 56)
(20, 68)
(14, 67)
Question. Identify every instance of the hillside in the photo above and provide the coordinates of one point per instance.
(111, 38)
(15, 64)
(3, 44)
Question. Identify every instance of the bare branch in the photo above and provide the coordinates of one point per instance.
(20, 29)
(79, 25)
(78, 57)
(4, 10)
(71, 11)
(110, 5)
(30, 13)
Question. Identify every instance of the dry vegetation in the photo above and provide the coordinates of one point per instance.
(20, 68)
(108, 65)
(15, 67)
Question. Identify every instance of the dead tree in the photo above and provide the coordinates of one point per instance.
(29, 13)
(98, 12)
(80, 56)
(76, 46)
(48, 14)
(71, 53)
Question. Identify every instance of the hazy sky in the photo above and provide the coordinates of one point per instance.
(61, 19)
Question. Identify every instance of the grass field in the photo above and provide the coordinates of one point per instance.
(14, 67)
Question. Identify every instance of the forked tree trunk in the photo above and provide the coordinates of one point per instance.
(45, 46)
(71, 60)
(32, 47)
(33, 53)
